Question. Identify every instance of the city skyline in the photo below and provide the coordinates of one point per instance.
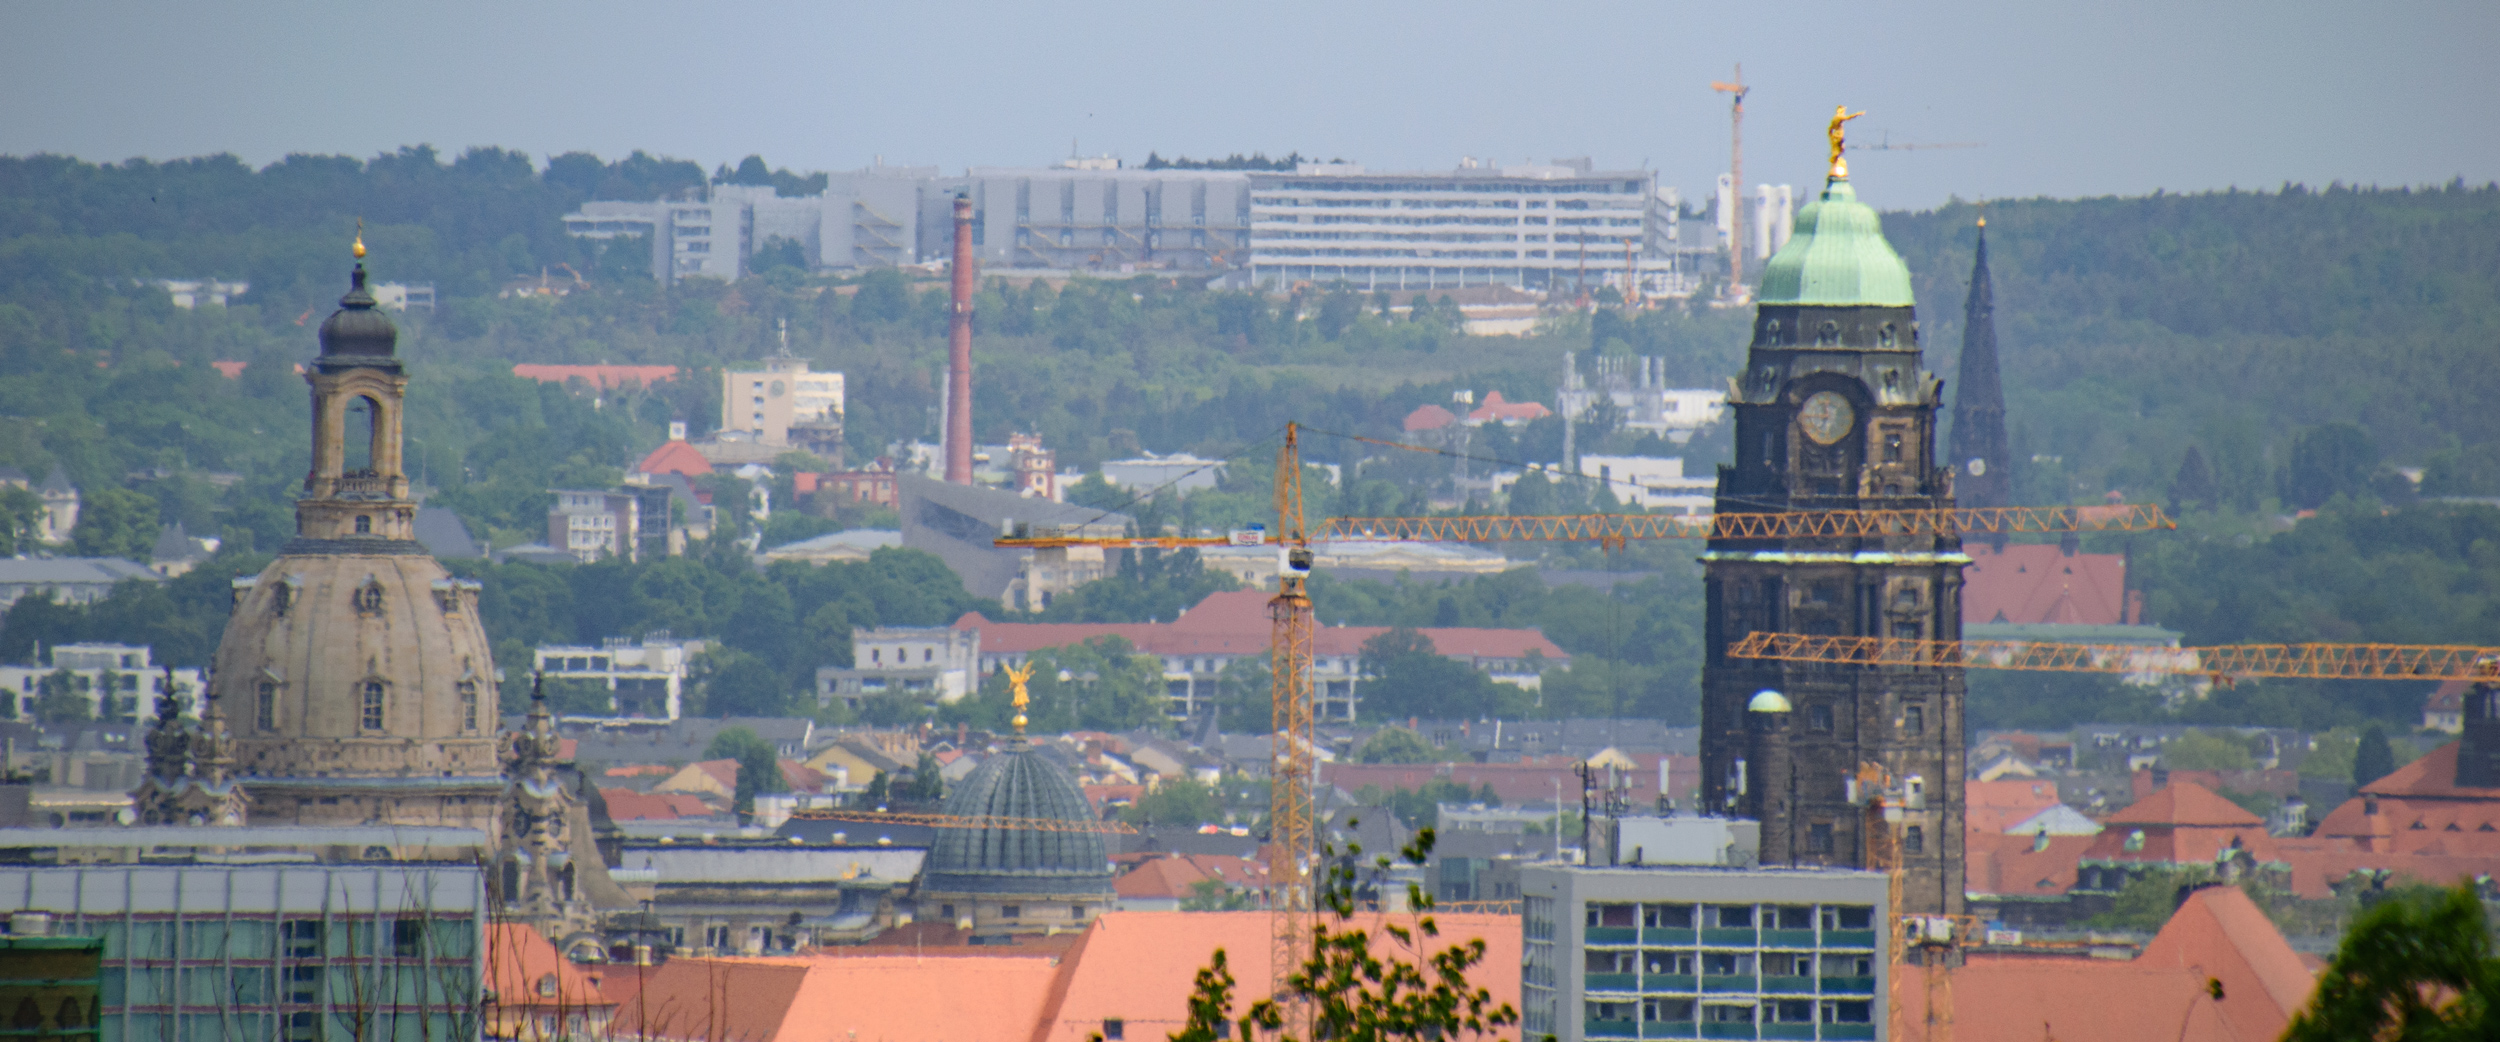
(2124, 99)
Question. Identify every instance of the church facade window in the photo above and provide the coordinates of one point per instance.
(468, 705)
(372, 697)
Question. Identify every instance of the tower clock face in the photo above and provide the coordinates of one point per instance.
(1826, 417)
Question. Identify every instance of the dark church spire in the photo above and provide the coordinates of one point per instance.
(1979, 453)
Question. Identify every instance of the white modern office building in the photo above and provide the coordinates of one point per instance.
(1551, 226)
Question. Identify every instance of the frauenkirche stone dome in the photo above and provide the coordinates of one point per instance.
(354, 672)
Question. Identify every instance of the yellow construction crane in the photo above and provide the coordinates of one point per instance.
(1291, 831)
(1617, 529)
(1736, 182)
(2223, 663)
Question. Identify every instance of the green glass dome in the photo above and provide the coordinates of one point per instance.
(1021, 782)
(1837, 257)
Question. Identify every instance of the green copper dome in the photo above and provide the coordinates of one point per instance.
(1837, 256)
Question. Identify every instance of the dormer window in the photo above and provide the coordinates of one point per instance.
(1828, 334)
(372, 696)
(368, 598)
(1884, 337)
(265, 708)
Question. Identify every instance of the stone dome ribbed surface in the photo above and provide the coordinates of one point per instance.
(1019, 783)
(358, 327)
(1837, 256)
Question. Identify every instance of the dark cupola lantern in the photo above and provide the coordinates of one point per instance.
(358, 328)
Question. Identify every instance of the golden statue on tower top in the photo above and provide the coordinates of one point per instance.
(1016, 676)
(1839, 135)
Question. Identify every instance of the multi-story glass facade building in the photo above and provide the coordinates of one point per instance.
(1701, 952)
(260, 941)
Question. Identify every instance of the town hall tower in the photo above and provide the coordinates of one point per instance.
(1833, 412)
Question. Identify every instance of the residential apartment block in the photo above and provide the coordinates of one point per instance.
(118, 681)
(591, 524)
(1687, 951)
(938, 663)
(645, 677)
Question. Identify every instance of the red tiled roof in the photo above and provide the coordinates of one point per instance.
(1994, 806)
(2434, 776)
(233, 370)
(2018, 866)
(2318, 863)
(1495, 409)
(675, 457)
(1138, 967)
(518, 962)
(603, 377)
(1103, 796)
(2216, 935)
(1429, 418)
(803, 778)
(628, 805)
(995, 994)
(1172, 876)
(2185, 803)
(2035, 583)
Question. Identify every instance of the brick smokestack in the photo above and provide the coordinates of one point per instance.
(959, 353)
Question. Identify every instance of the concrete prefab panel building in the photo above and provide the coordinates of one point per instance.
(1093, 219)
(871, 218)
(1704, 952)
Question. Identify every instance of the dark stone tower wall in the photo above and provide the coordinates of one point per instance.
(1980, 458)
(1792, 770)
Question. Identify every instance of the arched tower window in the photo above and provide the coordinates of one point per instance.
(359, 441)
(372, 696)
(266, 708)
(468, 705)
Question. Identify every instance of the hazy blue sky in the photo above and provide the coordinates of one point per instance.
(2117, 96)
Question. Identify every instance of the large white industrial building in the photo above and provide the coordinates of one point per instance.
(1557, 225)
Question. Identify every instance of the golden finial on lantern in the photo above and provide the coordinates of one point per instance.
(1016, 676)
(360, 238)
(1839, 136)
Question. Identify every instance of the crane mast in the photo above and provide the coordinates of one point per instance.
(1291, 773)
(1736, 183)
